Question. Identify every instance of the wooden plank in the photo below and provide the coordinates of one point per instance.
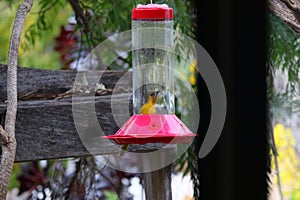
(46, 130)
(45, 126)
(55, 82)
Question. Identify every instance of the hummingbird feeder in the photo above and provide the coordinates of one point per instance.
(154, 119)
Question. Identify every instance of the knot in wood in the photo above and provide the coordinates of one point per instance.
(27, 5)
(9, 140)
(3, 136)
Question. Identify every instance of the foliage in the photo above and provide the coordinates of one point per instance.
(111, 195)
(36, 48)
(97, 20)
(284, 53)
(83, 178)
(288, 160)
(283, 90)
(106, 19)
(187, 163)
(14, 183)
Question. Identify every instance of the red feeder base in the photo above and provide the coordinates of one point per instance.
(156, 128)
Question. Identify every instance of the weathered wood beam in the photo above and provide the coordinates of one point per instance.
(35, 82)
(45, 126)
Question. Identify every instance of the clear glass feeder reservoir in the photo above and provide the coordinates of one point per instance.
(154, 119)
(152, 59)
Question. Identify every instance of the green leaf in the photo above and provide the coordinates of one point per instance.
(110, 195)
(14, 183)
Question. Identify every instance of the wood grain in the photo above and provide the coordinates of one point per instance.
(45, 126)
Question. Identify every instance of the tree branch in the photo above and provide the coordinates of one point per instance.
(288, 11)
(3, 136)
(80, 16)
(9, 144)
(292, 5)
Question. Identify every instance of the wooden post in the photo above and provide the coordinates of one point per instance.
(158, 182)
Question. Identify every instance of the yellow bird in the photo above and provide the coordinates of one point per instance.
(147, 108)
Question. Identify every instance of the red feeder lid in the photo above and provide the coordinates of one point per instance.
(152, 11)
(157, 128)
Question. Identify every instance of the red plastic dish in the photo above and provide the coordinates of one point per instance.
(157, 128)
